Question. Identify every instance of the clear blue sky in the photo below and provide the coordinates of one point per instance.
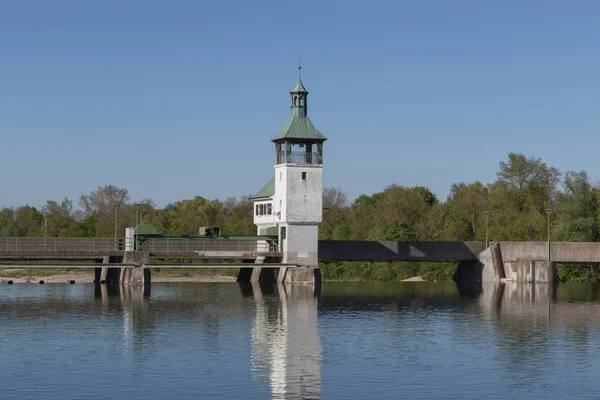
(172, 99)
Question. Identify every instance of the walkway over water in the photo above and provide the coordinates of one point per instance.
(15, 248)
(384, 251)
(97, 248)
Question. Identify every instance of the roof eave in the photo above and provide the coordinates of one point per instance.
(297, 140)
(260, 198)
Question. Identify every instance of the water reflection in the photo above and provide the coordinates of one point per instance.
(355, 340)
(285, 341)
(285, 348)
(133, 304)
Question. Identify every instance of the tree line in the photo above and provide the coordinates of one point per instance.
(516, 205)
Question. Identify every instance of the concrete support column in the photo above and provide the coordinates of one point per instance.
(497, 261)
(255, 274)
(245, 274)
(107, 274)
(264, 275)
(104, 271)
(122, 275)
(138, 275)
(281, 275)
(300, 276)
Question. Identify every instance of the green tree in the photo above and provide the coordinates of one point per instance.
(518, 199)
(28, 221)
(575, 210)
(239, 218)
(466, 206)
(335, 214)
(59, 219)
(7, 222)
(103, 204)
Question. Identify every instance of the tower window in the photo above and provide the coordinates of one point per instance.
(280, 175)
(304, 176)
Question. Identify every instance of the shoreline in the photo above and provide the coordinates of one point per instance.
(19, 275)
(65, 275)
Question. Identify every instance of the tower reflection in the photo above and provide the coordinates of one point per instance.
(285, 341)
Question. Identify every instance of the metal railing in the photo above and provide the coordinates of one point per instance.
(299, 158)
(28, 244)
(204, 245)
(50, 245)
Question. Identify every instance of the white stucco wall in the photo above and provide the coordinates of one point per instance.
(265, 220)
(301, 200)
(280, 191)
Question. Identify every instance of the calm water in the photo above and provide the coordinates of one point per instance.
(354, 341)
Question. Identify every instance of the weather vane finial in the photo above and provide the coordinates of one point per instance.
(299, 65)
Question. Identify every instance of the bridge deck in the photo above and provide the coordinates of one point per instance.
(329, 250)
(221, 265)
(119, 265)
(365, 250)
(59, 265)
(13, 248)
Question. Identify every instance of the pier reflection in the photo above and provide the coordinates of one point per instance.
(134, 304)
(533, 322)
(543, 307)
(285, 340)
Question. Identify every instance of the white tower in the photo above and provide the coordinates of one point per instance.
(293, 200)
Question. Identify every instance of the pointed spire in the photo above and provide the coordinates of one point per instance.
(299, 128)
(299, 88)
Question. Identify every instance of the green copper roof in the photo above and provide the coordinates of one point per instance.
(299, 88)
(299, 127)
(267, 191)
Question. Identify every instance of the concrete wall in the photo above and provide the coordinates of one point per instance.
(492, 267)
(520, 251)
(530, 271)
(484, 269)
(362, 250)
(301, 245)
(566, 252)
